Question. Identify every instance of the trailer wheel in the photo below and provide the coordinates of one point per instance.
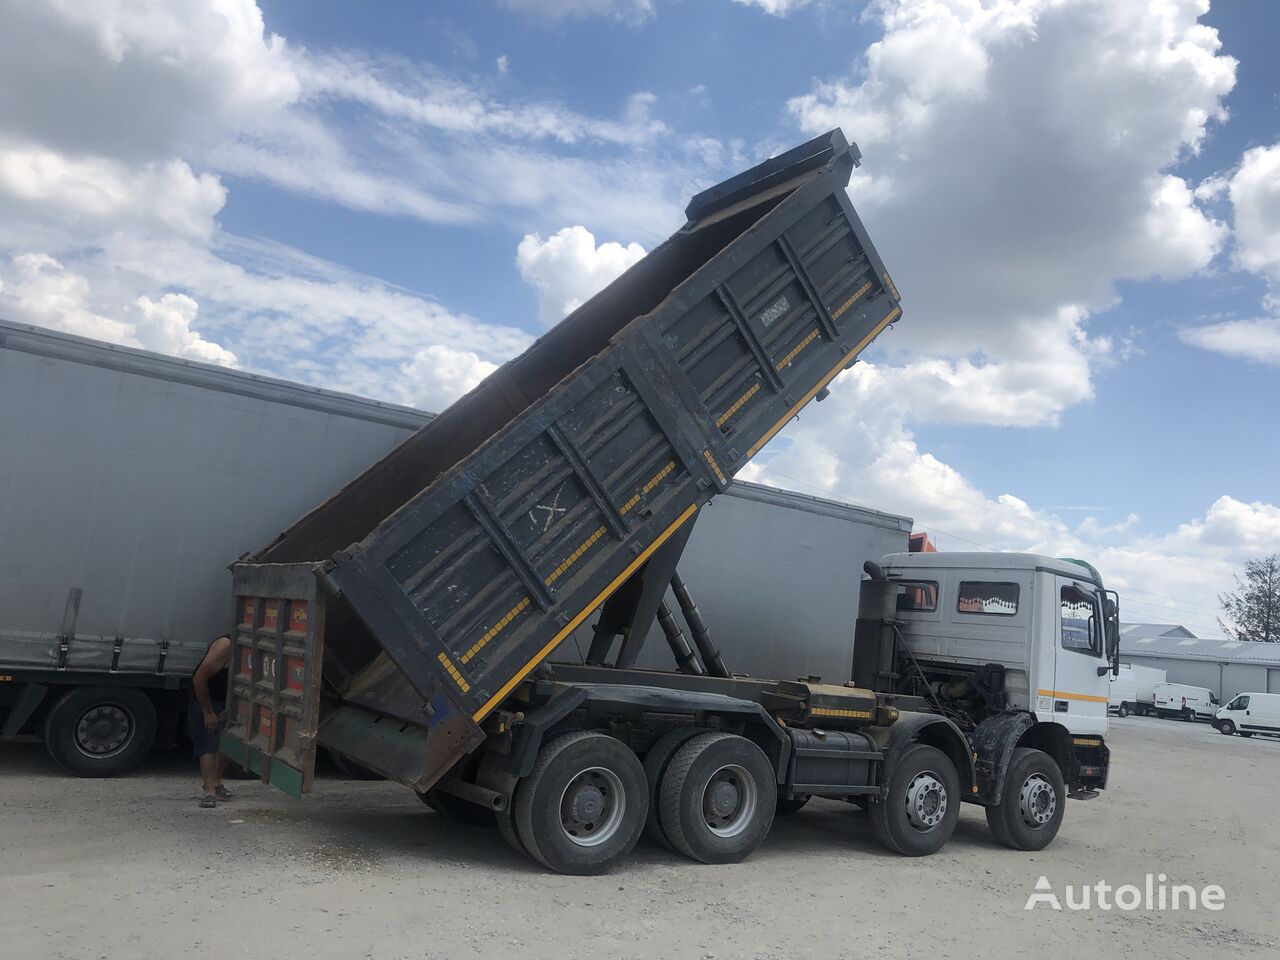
(789, 805)
(919, 813)
(456, 809)
(100, 731)
(718, 797)
(656, 762)
(583, 806)
(1123, 711)
(1032, 802)
(1226, 727)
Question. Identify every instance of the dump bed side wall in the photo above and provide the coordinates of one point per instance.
(478, 578)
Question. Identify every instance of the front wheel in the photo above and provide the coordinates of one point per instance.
(1123, 711)
(1226, 727)
(100, 731)
(582, 808)
(1032, 802)
(919, 813)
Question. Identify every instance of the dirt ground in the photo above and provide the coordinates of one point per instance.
(131, 868)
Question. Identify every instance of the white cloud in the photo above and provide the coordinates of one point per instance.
(103, 194)
(1257, 339)
(38, 289)
(1254, 190)
(438, 375)
(568, 268)
(1255, 199)
(776, 8)
(133, 79)
(1017, 160)
(627, 11)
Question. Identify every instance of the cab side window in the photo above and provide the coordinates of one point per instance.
(1242, 703)
(920, 596)
(1079, 621)
(978, 596)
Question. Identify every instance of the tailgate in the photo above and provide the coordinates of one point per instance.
(273, 698)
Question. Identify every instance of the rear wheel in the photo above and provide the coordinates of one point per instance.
(1226, 727)
(919, 813)
(100, 731)
(455, 808)
(656, 762)
(583, 806)
(1032, 802)
(718, 798)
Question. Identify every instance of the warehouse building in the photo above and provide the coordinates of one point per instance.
(1226, 667)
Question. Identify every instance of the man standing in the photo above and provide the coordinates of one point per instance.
(205, 716)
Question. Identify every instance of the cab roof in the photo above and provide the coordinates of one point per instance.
(989, 560)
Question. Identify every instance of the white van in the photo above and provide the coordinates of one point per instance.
(1133, 690)
(1184, 702)
(1250, 713)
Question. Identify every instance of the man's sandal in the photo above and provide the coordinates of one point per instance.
(223, 793)
(208, 800)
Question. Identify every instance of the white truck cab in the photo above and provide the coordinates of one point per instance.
(1185, 702)
(1042, 621)
(1249, 713)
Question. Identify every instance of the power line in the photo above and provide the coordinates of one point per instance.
(1198, 619)
(986, 507)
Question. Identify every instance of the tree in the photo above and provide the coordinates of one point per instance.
(1252, 612)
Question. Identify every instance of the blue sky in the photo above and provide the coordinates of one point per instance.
(1080, 201)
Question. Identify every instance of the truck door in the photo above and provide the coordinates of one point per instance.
(1080, 664)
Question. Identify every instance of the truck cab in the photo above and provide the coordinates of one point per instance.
(1018, 649)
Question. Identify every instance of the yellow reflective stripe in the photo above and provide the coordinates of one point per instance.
(857, 295)
(795, 352)
(454, 672)
(833, 712)
(495, 630)
(889, 318)
(1061, 695)
(715, 467)
(603, 595)
(737, 404)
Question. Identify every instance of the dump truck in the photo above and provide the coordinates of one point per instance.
(130, 479)
(407, 622)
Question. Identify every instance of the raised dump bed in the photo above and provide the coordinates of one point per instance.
(433, 584)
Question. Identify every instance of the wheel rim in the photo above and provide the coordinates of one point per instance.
(926, 801)
(1037, 801)
(592, 806)
(104, 731)
(729, 800)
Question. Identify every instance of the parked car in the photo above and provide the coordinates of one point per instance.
(1250, 713)
(1178, 700)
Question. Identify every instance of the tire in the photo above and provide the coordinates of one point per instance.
(1226, 727)
(100, 731)
(718, 798)
(920, 812)
(789, 805)
(1032, 802)
(1246, 733)
(656, 762)
(507, 827)
(1123, 711)
(583, 807)
(458, 810)
(351, 770)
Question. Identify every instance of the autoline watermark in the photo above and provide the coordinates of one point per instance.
(1155, 893)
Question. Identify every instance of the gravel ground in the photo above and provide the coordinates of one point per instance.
(118, 869)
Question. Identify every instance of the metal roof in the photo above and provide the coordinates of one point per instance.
(1156, 630)
(1186, 648)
